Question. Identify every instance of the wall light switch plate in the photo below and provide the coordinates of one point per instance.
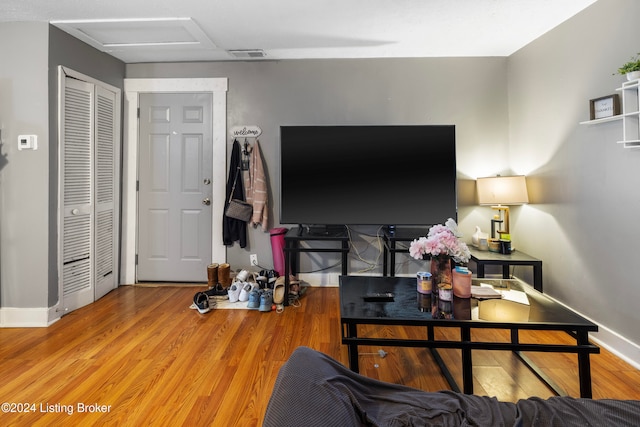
(27, 142)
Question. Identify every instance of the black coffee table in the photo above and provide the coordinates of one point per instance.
(412, 309)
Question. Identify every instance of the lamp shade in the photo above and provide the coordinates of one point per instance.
(502, 190)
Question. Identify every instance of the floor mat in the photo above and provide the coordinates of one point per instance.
(226, 305)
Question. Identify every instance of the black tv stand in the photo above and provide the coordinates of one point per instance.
(391, 236)
(293, 249)
(315, 230)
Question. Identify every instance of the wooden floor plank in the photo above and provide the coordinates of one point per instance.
(143, 352)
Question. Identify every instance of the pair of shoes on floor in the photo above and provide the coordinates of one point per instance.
(219, 274)
(241, 291)
(267, 278)
(217, 293)
(261, 300)
(201, 303)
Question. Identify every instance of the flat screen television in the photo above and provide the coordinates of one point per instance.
(400, 175)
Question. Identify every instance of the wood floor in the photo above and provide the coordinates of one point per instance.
(140, 356)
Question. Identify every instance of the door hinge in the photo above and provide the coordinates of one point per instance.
(137, 185)
(138, 113)
(136, 259)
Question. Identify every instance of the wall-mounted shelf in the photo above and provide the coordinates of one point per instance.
(631, 111)
(603, 120)
(630, 115)
(630, 144)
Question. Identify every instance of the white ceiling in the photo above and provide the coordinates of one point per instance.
(206, 30)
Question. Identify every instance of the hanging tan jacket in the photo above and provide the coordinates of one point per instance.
(256, 188)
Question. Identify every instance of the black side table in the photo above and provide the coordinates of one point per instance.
(482, 258)
(292, 249)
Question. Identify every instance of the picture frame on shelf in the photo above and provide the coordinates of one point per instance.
(605, 106)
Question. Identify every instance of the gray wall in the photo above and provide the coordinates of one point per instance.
(468, 92)
(28, 182)
(583, 216)
(24, 109)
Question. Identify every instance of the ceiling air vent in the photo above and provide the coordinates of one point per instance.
(248, 53)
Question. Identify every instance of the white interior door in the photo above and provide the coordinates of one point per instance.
(88, 182)
(175, 191)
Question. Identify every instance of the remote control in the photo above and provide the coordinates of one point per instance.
(379, 296)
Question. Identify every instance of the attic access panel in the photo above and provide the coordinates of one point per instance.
(110, 35)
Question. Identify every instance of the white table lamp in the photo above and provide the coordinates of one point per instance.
(500, 192)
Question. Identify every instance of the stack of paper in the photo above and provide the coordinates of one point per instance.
(484, 292)
(516, 296)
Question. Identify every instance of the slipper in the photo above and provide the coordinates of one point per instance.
(278, 291)
(201, 300)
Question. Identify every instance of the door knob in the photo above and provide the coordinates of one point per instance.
(206, 202)
(207, 181)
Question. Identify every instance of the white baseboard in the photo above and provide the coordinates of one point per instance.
(333, 279)
(320, 280)
(11, 317)
(618, 345)
(330, 280)
(611, 340)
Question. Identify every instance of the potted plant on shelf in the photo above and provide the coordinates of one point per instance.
(631, 69)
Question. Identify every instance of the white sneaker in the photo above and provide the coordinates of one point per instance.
(234, 291)
(244, 292)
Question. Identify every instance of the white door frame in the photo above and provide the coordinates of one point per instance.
(132, 89)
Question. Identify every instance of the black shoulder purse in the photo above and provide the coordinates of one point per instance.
(238, 209)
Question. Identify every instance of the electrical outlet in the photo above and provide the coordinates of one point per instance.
(253, 259)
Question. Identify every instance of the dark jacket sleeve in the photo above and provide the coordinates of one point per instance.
(234, 229)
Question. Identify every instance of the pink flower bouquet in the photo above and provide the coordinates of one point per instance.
(441, 240)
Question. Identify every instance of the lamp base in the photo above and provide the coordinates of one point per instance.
(501, 217)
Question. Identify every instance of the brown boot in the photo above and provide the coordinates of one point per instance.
(212, 275)
(224, 275)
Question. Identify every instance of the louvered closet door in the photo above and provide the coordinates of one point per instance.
(105, 191)
(76, 194)
(89, 192)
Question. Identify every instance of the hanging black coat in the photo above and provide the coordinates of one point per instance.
(234, 229)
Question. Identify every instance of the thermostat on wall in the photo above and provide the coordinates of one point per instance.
(27, 142)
